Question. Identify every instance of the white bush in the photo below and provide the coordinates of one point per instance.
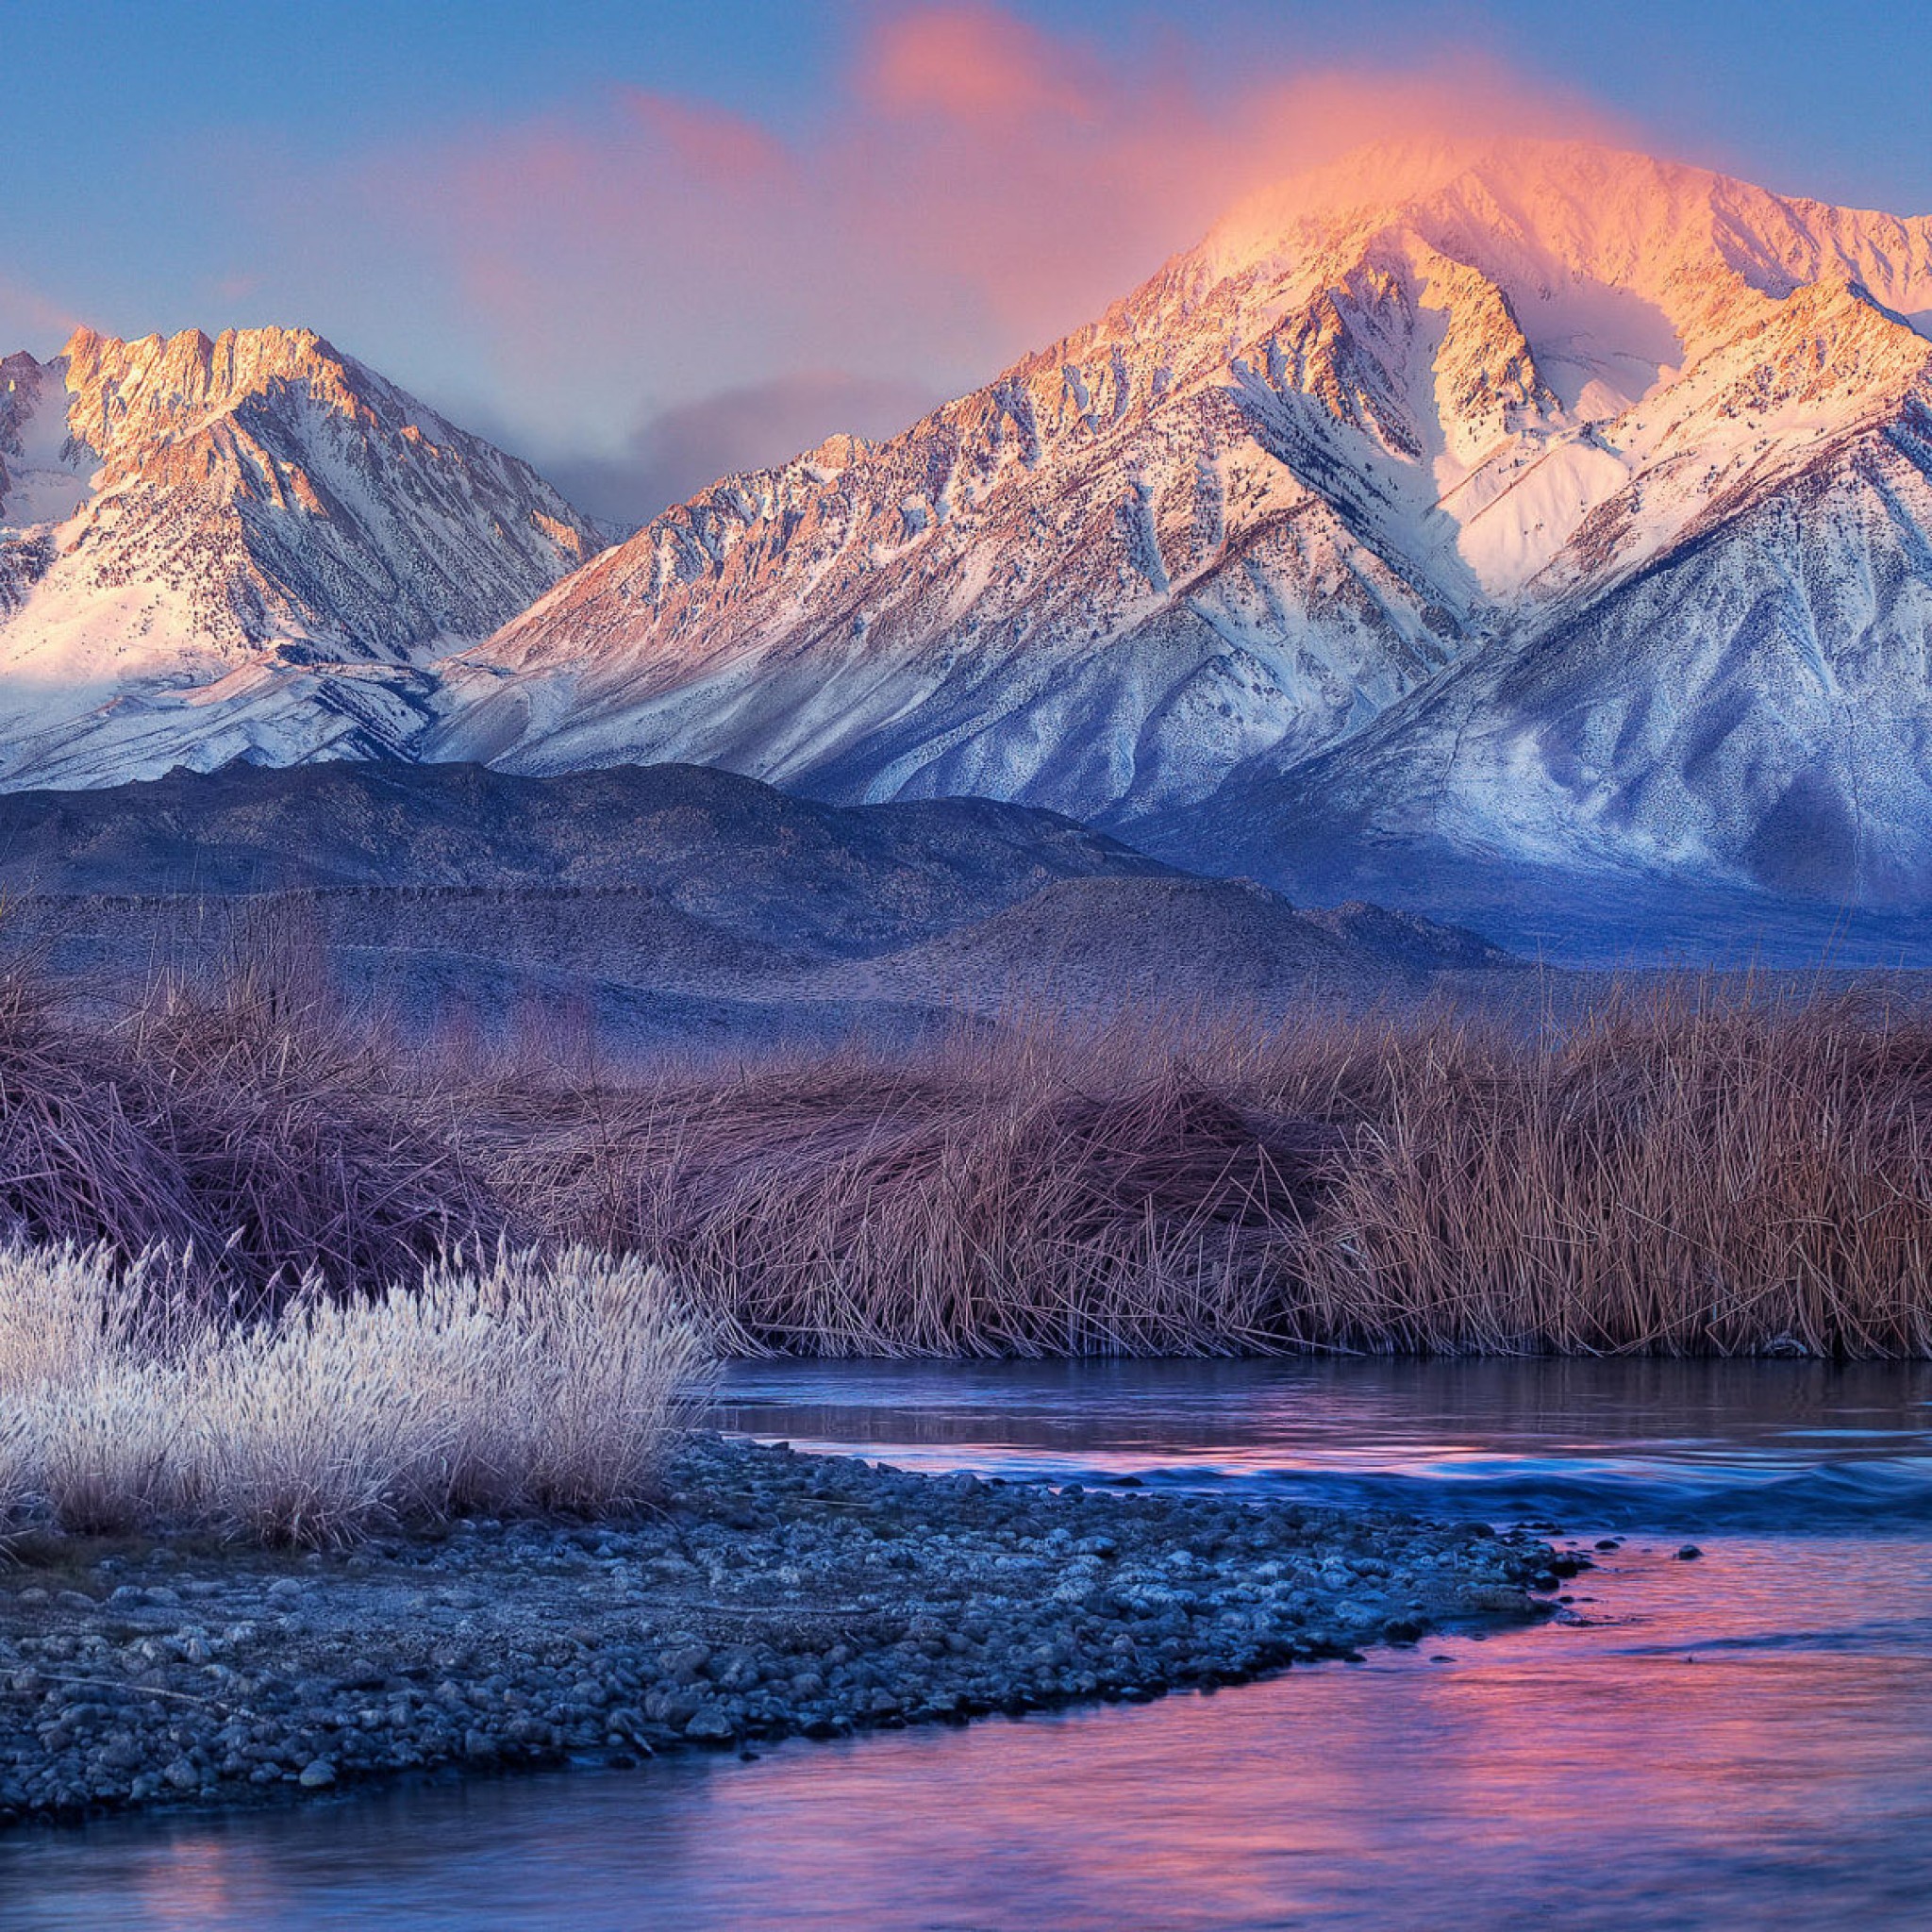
(547, 1384)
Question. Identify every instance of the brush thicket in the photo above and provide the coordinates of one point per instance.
(1689, 1169)
(520, 1386)
(244, 1118)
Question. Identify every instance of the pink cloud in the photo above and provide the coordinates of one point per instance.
(977, 189)
(31, 320)
(709, 142)
(972, 64)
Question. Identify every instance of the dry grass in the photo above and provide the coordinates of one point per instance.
(524, 1386)
(252, 1124)
(1692, 1169)
(991, 1204)
(1676, 1175)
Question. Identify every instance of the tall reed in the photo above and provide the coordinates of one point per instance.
(251, 1120)
(1684, 1169)
(1676, 1167)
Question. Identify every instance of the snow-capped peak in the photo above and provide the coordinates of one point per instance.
(1408, 417)
(1561, 501)
(241, 545)
(1536, 213)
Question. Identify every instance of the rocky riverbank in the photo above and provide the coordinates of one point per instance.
(772, 1593)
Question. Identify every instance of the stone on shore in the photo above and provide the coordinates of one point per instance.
(771, 1594)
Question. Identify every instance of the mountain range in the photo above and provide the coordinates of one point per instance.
(1454, 513)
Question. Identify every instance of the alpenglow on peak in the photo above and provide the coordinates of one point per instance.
(1530, 501)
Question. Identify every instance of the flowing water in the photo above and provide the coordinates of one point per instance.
(1743, 1741)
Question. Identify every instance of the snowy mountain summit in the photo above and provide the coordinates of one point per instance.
(1533, 503)
(1539, 500)
(242, 547)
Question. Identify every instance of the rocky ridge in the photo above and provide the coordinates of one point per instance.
(244, 547)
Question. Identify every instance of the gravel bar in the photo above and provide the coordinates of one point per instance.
(773, 1593)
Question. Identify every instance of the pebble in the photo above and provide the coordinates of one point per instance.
(770, 1595)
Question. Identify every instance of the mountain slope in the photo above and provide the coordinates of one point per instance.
(758, 862)
(1105, 943)
(242, 547)
(1500, 468)
(1754, 707)
(667, 906)
(1526, 505)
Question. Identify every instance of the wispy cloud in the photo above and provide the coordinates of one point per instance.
(31, 320)
(972, 186)
(675, 453)
(978, 187)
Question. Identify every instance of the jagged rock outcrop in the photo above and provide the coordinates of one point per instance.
(242, 547)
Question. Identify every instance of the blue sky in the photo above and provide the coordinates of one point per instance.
(636, 240)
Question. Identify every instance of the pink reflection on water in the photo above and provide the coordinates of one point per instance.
(1735, 1742)
(1738, 1743)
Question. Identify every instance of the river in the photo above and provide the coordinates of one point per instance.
(1743, 1739)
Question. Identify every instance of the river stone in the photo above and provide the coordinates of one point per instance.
(766, 1595)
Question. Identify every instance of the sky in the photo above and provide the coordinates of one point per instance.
(645, 244)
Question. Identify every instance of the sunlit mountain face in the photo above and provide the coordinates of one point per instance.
(242, 547)
(1581, 497)
(1537, 502)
